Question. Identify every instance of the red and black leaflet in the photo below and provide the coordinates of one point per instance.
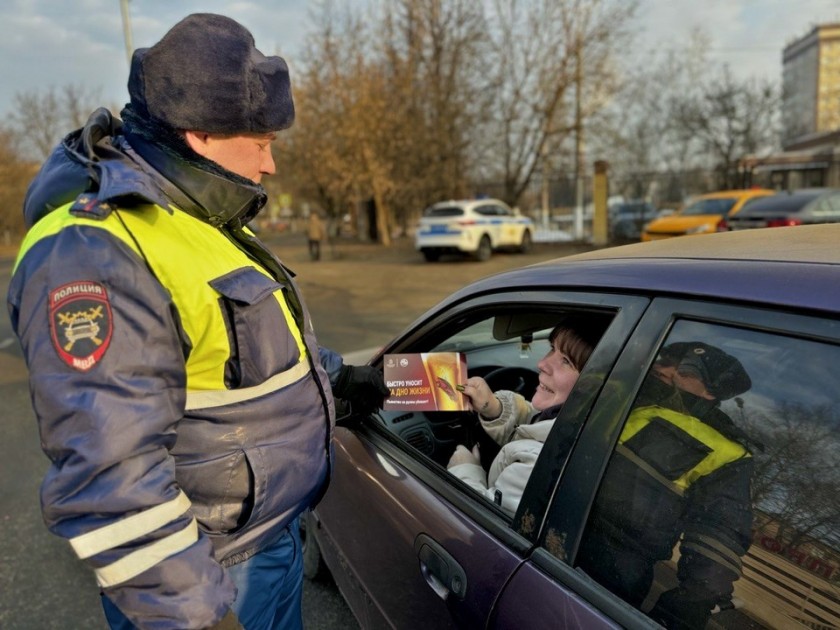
(80, 323)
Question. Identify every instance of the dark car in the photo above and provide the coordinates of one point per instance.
(627, 220)
(789, 208)
(739, 511)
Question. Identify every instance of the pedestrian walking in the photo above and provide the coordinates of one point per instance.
(315, 233)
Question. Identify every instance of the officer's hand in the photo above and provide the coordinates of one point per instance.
(363, 386)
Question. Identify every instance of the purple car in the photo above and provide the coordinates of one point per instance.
(691, 478)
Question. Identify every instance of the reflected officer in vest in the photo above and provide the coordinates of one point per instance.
(181, 394)
(681, 473)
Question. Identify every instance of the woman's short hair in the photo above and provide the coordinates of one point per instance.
(571, 343)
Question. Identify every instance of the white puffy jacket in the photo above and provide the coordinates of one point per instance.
(521, 445)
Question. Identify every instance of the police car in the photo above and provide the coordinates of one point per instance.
(474, 227)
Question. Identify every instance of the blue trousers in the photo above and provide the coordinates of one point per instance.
(269, 588)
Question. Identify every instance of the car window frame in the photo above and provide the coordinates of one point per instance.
(629, 309)
(567, 514)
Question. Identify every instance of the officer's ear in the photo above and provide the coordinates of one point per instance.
(198, 141)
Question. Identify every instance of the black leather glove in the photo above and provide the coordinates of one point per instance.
(362, 386)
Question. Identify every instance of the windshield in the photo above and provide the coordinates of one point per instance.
(720, 207)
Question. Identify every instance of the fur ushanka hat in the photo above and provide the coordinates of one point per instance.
(206, 74)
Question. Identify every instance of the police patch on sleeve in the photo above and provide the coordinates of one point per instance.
(80, 323)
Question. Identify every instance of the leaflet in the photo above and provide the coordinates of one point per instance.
(426, 381)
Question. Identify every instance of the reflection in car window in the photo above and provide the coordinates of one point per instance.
(721, 499)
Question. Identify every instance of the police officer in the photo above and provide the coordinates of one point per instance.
(681, 472)
(181, 395)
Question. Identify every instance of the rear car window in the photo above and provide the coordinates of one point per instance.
(781, 203)
(444, 211)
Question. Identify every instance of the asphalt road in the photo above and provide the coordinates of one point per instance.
(359, 295)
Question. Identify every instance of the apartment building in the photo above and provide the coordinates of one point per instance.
(810, 115)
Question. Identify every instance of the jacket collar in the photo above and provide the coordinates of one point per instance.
(201, 191)
(99, 158)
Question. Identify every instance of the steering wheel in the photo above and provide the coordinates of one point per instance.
(520, 380)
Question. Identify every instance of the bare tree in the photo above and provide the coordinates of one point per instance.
(42, 117)
(386, 106)
(725, 120)
(422, 98)
(796, 470)
(15, 175)
(436, 51)
(554, 69)
(635, 133)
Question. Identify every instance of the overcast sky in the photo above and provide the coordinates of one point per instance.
(47, 43)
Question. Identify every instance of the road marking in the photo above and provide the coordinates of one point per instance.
(6, 343)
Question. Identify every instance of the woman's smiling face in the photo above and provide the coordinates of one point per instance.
(558, 376)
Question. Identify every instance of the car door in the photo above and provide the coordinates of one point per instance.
(776, 569)
(510, 230)
(491, 222)
(410, 545)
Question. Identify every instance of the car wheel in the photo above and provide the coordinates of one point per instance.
(431, 255)
(485, 249)
(527, 242)
(314, 568)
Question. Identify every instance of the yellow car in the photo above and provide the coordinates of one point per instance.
(702, 214)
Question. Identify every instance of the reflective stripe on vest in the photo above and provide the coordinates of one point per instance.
(723, 450)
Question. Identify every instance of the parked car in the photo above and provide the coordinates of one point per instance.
(703, 214)
(628, 219)
(789, 208)
(475, 227)
(411, 546)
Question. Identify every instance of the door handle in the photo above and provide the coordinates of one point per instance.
(440, 570)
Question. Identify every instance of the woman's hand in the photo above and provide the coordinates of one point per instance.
(481, 398)
(462, 455)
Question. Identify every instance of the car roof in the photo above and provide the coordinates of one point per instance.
(733, 194)
(467, 202)
(796, 267)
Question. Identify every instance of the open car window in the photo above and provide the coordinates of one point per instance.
(503, 346)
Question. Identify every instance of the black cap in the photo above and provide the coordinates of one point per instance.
(723, 374)
(206, 74)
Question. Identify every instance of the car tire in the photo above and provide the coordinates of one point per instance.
(485, 249)
(314, 567)
(431, 255)
(526, 243)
